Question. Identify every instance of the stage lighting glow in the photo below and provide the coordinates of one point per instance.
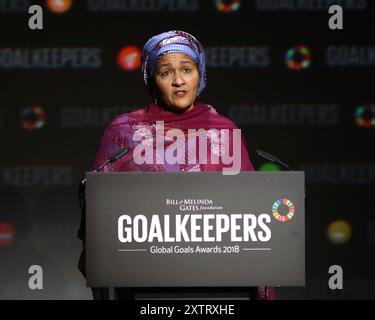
(339, 232)
(365, 116)
(283, 217)
(298, 57)
(59, 6)
(33, 117)
(129, 58)
(228, 6)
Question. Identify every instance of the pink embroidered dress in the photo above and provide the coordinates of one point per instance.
(121, 131)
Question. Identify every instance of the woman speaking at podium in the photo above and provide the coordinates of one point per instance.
(174, 71)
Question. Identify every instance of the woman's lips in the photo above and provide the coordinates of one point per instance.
(180, 93)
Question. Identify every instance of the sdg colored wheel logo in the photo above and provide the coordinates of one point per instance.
(6, 234)
(227, 6)
(282, 217)
(59, 6)
(365, 116)
(129, 58)
(339, 231)
(298, 58)
(33, 117)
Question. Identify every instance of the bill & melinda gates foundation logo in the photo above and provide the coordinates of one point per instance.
(200, 228)
(193, 204)
(199, 146)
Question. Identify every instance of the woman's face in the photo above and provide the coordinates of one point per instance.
(177, 81)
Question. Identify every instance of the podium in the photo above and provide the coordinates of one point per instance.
(195, 230)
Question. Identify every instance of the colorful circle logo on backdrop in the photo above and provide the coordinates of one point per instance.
(298, 58)
(129, 58)
(339, 231)
(227, 6)
(283, 217)
(365, 116)
(6, 234)
(59, 6)
(33, 117)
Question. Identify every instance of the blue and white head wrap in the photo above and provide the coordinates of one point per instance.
(172, 42)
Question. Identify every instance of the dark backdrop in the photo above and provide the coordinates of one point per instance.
(60, 87)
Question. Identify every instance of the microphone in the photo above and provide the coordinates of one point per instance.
(114, 158)
(273, 159)
(82, 186)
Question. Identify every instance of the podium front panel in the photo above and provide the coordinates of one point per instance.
(195, 229)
